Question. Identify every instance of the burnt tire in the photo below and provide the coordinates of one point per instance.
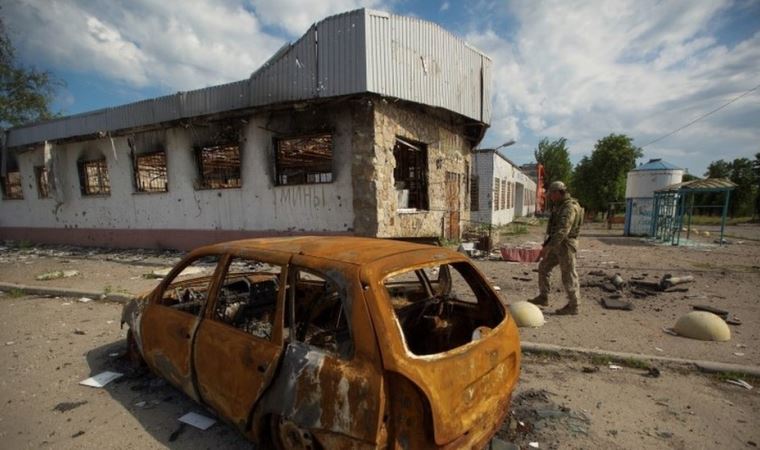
(286, 435)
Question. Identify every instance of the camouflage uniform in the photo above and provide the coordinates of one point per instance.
(561, 246)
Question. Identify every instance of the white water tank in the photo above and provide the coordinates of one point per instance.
(640, 186)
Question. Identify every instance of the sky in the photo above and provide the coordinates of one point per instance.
(574, 69)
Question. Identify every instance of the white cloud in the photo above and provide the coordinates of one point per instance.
(296, 16)
(143, 42)
(583, 70)
(444, 6)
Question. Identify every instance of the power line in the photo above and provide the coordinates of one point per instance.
(702, 116)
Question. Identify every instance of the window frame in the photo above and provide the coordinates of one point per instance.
(12, 191)
(104, 189)
(203, 182)
(417, 184)
(139, 186)
(43, 186)
(303, 171)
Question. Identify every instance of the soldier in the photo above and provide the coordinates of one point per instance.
(560, 247)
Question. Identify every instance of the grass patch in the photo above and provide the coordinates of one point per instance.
(16, 293)
(600, 360)
(515, 229)
(715, 220)
(24, 244)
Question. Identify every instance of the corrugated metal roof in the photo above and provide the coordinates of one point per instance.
(656, 164)
(703, 184)
(351, 53)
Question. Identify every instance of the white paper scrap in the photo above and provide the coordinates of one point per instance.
(197, 420)
(101, 379)
(615, 367)
(533, 444)
(741, 383)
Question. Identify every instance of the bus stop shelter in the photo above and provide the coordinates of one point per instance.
(674, 207)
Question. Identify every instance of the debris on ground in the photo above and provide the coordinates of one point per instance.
(533, 411)
(84, 300)
(741, 383)
(526, 314)
(613, 303)
(722, 313)
(652, 372)
(54, 275)
(668, 281)
(101, 379)
(198, 421)
(68, 406)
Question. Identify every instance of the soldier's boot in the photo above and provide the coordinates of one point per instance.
(571, 308)
(567, 310)
(540, 300)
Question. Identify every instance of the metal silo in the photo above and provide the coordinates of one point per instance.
(639, 193)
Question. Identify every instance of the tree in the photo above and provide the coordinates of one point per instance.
(742, 172)
(555, 158)
(600, 179)
(25, 93)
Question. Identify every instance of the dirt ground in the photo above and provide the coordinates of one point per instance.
(725, 277)
(556, 403)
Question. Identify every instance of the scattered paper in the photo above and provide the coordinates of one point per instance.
(533, 444)
(197, 420)
(659, 349)
(741, 383)
(496, 288)
(670, 331)
(101, 379)
(615, 367)
(738, 354)
(85, 300)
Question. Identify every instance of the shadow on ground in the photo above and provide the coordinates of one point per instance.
(157, 405)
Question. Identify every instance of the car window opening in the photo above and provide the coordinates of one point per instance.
(318, 313)
(439, 308)
(248, 297)
(188, 291)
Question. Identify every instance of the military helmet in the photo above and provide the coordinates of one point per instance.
(557, 186)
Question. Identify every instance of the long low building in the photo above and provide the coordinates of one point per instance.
(365, 125)
(501, 192)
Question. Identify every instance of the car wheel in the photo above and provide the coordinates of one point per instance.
(286, 435)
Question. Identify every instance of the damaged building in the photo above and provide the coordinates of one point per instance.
(363, 126)
(500, 191)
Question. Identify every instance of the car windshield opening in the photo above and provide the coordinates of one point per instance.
(442, 307)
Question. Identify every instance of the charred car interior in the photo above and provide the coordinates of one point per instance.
(302, 346)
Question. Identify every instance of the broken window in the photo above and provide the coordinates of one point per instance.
(43, 185)
(503, 194)
(150, 172)
(93, 177)
(12, 189)
(474, 193)
(316, 310)
(440, 307)
(248, 297)
(188, 290)
(219, 166)
(411, 173)
(304, 160)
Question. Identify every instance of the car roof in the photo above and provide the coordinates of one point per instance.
(348, 249)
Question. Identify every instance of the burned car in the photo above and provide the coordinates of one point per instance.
(334, 342)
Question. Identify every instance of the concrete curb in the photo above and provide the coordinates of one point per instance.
(701, 365)
(65, 292)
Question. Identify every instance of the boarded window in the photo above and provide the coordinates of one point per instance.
(12, 186)
(304, 160)
(219, 166)
(93, 177)
(43, 185)
(411, 172)
(474, 193)
(503, 194)
(496, 192)
(150, 172)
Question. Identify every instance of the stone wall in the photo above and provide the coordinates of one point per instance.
(448, 151)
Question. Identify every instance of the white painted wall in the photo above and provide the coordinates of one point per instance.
(490, 166)
(258, 205)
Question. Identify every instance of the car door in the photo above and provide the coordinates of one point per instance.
(240, 340)
(172, 316)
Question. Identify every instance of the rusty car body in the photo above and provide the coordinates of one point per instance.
(334, 342)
